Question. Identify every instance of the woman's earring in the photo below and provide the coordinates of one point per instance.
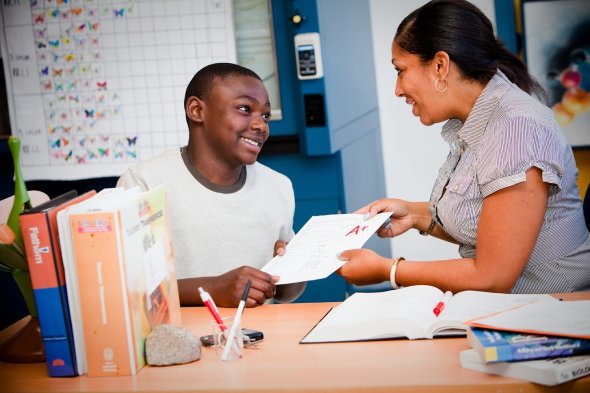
(444, 88)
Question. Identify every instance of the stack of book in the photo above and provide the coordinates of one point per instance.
(545, 343)
(102, 272)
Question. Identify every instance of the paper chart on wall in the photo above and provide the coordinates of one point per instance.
(94, 86)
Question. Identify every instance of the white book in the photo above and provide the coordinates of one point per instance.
(409, 312)
(548, 372)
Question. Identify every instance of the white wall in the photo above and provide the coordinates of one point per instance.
(412, 153)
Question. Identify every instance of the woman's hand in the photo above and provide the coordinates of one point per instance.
(402, 216)
(364, 267)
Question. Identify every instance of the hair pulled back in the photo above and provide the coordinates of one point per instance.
(460, 29)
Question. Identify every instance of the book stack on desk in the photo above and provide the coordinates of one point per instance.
(549, 347)
(102, 272)
(117, 254)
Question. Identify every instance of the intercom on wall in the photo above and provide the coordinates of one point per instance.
(309, 56)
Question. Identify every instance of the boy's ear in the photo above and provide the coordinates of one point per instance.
(194, 109)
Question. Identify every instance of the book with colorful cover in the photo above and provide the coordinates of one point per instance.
(549, 372)
(71, 276)
(44, 258)
(500, 346)
(126, 278)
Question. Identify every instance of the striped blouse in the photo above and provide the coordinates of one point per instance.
(506, 133)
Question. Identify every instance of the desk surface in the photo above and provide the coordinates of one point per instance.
(280, 363)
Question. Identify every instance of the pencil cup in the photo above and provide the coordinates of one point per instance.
(220, 336)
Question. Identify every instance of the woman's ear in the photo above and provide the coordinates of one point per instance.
(194, 109)
(441, 63)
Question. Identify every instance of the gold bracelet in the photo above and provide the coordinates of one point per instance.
(392, 272)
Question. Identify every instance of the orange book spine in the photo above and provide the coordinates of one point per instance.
(99, 261)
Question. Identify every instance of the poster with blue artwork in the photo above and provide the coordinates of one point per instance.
(557, 52)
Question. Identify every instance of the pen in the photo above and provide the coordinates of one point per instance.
(442, 303)
(208, 302)
(236, 322)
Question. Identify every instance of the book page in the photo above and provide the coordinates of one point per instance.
(405, 312)
(468, 305)
(569, 318)
(313, 253)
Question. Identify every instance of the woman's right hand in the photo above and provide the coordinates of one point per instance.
(401, 219)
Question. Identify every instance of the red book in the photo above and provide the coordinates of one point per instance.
(42, 247)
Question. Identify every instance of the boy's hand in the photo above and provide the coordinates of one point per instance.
(280, 247)
(228, 288)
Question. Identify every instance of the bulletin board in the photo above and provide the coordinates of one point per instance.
(96, 85)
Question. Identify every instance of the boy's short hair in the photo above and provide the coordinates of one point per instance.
(202, 83)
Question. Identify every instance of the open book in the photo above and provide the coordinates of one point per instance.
(568, 319)
(408, 312)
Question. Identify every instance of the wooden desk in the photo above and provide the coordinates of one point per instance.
(280, 363)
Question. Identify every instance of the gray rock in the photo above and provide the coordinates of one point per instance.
(168, 344)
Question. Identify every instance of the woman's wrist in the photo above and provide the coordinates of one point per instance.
(422, 221)
(393, 272)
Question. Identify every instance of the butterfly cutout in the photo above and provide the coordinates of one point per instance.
(41, 33)
(45, 71)
(132, 141)
(101, 85)
(89, 113)
(119, 13)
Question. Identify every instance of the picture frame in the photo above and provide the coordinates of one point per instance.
(556, 48)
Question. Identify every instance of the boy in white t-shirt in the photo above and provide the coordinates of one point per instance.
(229, 213)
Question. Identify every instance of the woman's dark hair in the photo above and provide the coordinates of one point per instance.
(463, 31)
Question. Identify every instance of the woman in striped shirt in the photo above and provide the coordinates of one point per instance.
(507, 193)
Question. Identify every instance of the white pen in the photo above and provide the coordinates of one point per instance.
(234, 327)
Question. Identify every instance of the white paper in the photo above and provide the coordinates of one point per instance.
(313, 253)
(569, 318)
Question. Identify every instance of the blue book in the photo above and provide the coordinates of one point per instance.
(503, 346)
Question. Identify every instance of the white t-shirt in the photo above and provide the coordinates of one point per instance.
(214, 228)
